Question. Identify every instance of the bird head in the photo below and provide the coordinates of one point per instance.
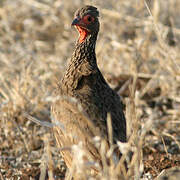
(86, 21)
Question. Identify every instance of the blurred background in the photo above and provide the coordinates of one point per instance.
(137, 51)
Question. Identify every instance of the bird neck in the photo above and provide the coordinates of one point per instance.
(84, 52)
(85, 49)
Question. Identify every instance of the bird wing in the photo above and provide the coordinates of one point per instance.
(73, 127)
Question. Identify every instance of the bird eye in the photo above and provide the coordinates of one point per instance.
(89, 19)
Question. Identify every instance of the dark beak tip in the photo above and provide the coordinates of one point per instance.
(75, 22)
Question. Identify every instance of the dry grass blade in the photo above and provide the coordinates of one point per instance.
(37, 121)
(176, 68)
(173, 137)
(110, 130)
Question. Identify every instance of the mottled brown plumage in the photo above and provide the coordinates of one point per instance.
(84, 82)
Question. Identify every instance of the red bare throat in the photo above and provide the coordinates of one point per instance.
(82, 33)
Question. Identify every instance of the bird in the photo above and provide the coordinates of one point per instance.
(84, 98)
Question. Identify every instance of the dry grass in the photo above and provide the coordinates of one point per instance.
(138, 52)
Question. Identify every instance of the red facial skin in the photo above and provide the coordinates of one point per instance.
(82, 33)
(81, 27)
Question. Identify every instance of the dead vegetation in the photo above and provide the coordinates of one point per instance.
(138, 52)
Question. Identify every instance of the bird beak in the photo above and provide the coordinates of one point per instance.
(75, 22)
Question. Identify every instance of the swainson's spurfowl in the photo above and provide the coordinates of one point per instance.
(84, 96)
